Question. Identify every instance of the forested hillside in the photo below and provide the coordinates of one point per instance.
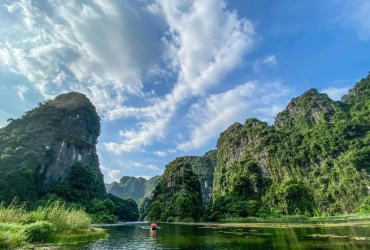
(177, 195)
(314, 160)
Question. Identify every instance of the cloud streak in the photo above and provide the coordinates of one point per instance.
(21, 90)
(203, 43)
(268, 61)
(213, 114)
(336, 93)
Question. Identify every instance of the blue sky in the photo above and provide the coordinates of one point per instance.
(168, 76)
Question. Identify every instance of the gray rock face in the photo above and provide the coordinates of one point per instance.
(53, 136)
(310, 108)
(70, 140)
(71, 143)
(234, 148)
(203, 167)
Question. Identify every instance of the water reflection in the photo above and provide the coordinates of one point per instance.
(153, 233)
(172, 236)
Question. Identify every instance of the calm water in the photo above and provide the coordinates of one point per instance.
(170, 236)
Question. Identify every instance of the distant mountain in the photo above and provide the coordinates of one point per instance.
(133, 187)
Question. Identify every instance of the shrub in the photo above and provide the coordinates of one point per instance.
(188, 220)
(38, 232)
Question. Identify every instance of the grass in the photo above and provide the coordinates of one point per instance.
(53, 223)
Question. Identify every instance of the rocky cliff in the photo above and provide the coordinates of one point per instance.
(313, 160)
(307, 110)
(150, 185)
(39, 149)
(204, 167)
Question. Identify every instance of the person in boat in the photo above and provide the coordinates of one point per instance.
(153, 226)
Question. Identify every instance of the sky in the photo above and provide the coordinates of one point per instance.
(167, 77)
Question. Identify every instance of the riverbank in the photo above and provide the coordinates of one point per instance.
(52, 224)
(314, 222)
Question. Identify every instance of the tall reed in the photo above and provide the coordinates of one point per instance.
(14, 213)
(64, 218)
(52, 223)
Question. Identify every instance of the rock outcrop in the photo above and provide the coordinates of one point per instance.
(39, 148)
(307, 110)
(204, 167)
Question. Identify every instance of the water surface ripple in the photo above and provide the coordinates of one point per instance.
(175, 236)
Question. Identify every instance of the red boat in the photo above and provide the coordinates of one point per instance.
(153, 226)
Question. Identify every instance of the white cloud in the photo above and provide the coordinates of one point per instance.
(268, 113)
(157, 71)
(115, 174)
(336, 93)
(172, 151)
(21, 90)
(137, 164)
(103, 168)
(150, 166)
(160, 153)
(144, 176)
(153, 167)
(203, 43)
(99, 49)
(213, 114)
(268, 61)
(105, 49)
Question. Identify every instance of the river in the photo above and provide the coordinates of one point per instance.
(180, 236)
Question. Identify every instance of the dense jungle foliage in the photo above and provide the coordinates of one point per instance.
(315, 160)
(177, 197)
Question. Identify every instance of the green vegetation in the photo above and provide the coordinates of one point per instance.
(29, 145)
(49, 154)
(124, 209)
(204, 167)
(177, 197)
(313, 161)
(53, 223)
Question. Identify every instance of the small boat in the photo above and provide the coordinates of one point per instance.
(153, 226)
